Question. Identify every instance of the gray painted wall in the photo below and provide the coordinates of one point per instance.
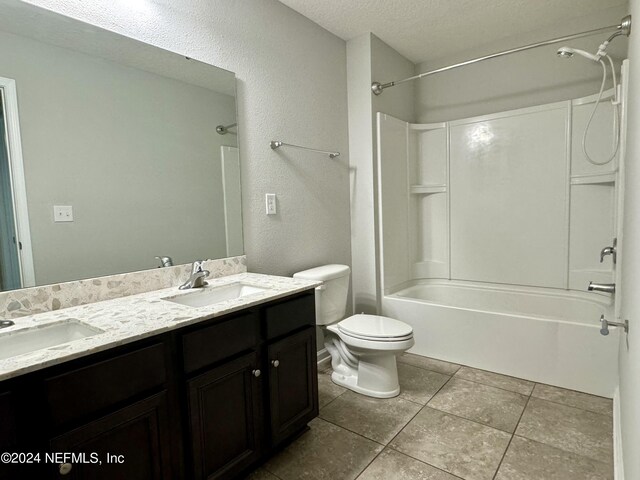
(291, 87)
(519, 80)
(123, 147)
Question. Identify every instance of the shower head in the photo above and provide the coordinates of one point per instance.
(568, 52)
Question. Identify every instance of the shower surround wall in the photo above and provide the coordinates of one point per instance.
(483, 215)
(504, 198)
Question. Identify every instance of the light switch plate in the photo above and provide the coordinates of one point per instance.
(270, 201)
(62, 213)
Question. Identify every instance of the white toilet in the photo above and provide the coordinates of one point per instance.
(363, 348)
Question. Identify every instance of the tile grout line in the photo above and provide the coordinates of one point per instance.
(563, 451)
(422, 461)
(572, 390)
(493, 386)
(368, 464)
(476, 421)
(431, 370)
(511, 439)
(572, 406)
(481, 383)
(460, 365)
(422, 408)
(266, 470)
(351, 431)
(468, 419)
(331, 401)
(403, 427)
(508, 376)
(360, 435)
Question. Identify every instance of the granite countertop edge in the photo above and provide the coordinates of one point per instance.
(136, 317)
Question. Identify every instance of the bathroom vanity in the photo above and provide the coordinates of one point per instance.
(207, 393)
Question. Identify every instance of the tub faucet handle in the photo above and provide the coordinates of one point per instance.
(605, 324)
(612, 250)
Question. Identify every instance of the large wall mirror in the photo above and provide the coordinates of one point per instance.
(112, 152)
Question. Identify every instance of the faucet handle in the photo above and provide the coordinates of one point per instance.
(612, 250)
(165, 261)
(198, 266)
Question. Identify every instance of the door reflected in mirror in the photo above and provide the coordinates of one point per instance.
(112, 152)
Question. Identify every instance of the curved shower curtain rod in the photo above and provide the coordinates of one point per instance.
(624, 28)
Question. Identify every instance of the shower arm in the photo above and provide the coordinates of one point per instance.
(624, 28)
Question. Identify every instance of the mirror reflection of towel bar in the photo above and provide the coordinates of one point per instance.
(224, 129)
(277, 144)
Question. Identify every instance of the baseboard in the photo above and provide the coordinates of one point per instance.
(618, 464)
(324, 359)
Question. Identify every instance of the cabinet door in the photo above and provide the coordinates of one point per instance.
(8, 437)
(293, 383)
(133, 442)
(225, 417)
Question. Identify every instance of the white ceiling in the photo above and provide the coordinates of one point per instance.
(424, 30)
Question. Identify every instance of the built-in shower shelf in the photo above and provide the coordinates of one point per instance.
(594, 179)
(427, 189)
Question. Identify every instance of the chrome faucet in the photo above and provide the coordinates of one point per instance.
(602, 287)
(605, 324)
(610, 251)
(165, 261)
(198, 274)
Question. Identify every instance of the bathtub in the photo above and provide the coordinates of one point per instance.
(544, 335)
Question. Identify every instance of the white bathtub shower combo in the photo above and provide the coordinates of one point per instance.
(490, 231)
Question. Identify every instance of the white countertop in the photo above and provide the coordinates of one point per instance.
(127, 319)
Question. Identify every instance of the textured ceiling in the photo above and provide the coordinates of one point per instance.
(424, 30)
(23, 18)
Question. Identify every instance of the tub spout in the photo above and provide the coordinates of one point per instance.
(602, 287)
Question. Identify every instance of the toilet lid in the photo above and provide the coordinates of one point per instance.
(375, 327)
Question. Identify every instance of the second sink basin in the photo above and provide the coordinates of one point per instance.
(27, 340)
(203, 297)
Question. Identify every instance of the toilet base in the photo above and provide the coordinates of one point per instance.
(373, 373)
(351, 383)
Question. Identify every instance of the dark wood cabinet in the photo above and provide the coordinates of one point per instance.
(133, 442)
(293, 384)
(225, 418)
(207, 401)
(8, 434)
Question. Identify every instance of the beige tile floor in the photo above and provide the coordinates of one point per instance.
(451, 422)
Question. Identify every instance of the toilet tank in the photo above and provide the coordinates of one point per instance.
(331, 296)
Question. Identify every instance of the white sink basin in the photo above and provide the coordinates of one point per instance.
(37, 338)
(206, 296)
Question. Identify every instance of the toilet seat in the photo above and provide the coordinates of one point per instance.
(375, 328)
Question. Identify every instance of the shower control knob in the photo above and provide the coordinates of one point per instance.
(275, 363)
(256, 373)
(612, 250)
(605, 324)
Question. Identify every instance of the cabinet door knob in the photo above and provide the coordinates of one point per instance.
(256, 373)
(65, 468)
(275, 363)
